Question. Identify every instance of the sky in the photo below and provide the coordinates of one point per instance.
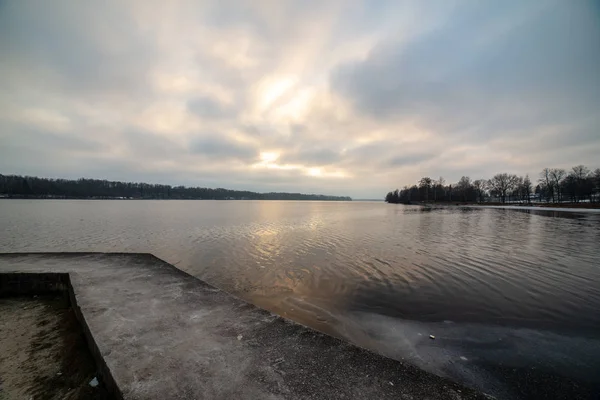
(336, 97)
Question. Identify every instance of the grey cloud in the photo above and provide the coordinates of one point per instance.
(237, 15)
(321, 156)
(379, 154)
(149, 145)
(408, 159)
(272, 135)
(382, 154)
(298, 129)
(83, 47)
(207, 107)
(220, 147)
(28, 137)
(33, 151)
(482, 70)
(311, 156)
(371, 151)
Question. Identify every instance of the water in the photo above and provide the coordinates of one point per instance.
(513, 297)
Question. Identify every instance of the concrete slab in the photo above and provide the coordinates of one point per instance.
(164, 334)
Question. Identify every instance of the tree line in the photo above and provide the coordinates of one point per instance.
(16, 186)
(554, 185)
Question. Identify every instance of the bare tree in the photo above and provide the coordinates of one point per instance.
(526, 188)
(546, 182)
(503, 183)
(426, 183)
(580, 173)
(440, 183)
(557, 175)
(516, 193)
(480, 186)
(463, 187)
(597, 183)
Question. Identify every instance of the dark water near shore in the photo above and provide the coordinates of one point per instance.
(510, 295)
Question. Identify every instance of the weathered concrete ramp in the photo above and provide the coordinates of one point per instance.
(163, 334)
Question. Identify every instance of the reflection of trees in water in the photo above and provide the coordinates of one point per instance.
(552, 213)
(419, 209)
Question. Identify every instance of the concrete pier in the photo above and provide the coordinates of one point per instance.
(159, 333)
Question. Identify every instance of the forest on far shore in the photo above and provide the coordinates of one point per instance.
(16, 186)
(553, 185)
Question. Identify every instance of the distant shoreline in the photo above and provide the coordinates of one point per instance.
(157, 198)
(32, 187)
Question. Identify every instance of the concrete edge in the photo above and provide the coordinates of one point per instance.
(104, 371)
(74, 253)
(35, 283)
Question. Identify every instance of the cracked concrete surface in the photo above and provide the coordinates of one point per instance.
(164, 334)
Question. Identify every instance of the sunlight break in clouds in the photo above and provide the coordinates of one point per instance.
(338, 97)
(269, 160)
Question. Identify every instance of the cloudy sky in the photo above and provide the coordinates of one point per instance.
(339, 97)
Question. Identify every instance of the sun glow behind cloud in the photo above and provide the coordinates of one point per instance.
(270, 89)
(268, 160)
(268, 157)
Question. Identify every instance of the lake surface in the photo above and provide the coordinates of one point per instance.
(512, 297)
